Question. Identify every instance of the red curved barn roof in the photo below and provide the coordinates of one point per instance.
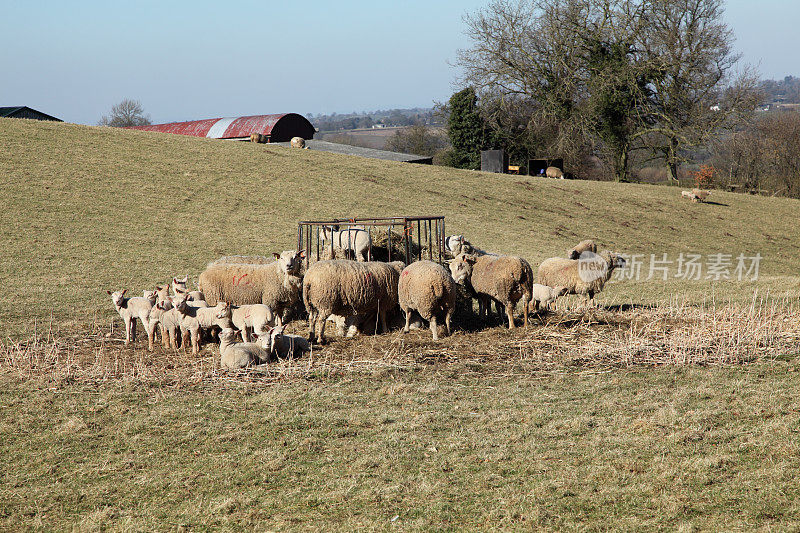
(277, 127)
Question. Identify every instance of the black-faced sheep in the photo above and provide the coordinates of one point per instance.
(585, 276)
(584, 246)
(348, 288)
(426, 287)
(505, 279)
(276, 285)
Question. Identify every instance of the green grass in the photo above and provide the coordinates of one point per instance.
(452, 450)
(568, 425)
(89, 209)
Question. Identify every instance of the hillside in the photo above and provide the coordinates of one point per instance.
(89, 209)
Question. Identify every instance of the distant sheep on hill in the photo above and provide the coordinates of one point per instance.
(554, 172)
(298, 142)
(584, 246)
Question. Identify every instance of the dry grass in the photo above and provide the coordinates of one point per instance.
(583, 340)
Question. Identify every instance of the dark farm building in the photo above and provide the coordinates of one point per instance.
(277, 128)
(25, 112)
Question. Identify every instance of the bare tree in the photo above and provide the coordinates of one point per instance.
(126, 113)
(417, 139)
(689, 48)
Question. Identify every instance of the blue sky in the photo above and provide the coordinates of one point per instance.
(188, 60)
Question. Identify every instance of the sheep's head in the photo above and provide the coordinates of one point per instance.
(180, 302)
(561, 291)
(180, 283)
(150, 295)
(272, 339)
(289, 261)
(222, 310)
(461, 267)
(118, 297)
(454, 243)
(162, 292)
(614, 260)
(228, 335)
(398, 266)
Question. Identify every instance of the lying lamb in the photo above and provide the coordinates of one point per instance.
(239, 355)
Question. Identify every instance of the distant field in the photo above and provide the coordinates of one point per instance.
(673, 405)
(368, 138)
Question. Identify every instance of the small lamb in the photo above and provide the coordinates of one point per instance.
(234, 356)
(286, 346)
(194, 318)
(544, 295)
(132, 308)
(254, 318)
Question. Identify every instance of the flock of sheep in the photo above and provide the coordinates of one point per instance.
(254, 295)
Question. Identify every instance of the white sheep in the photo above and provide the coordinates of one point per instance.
(193, 319)
(284, 345)
(504, 279)
(256, 318)
(426, 287)
(347, 288)
(168, 320)
(298, 142)
(584, 246)
(180, 288)
(354, 240)
(234, 356)
(554, 172)
(276, 285)
(543, 296)
(585, 276)
(130, 309)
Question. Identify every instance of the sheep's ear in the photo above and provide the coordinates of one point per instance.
(469, 258)
(302, 254)
(108, 291)
(276, 255)
(124, 291)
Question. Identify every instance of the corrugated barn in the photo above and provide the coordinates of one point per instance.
(277, 128)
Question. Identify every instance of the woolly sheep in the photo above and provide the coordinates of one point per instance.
(554, 172)
(180, 288)
(257, 318)
(286, 346)
(505, 279)
(427, 288)
(343, 287)
(700, 195)
(255, 138)
(130, 309)
(584, 246)
(194, 318)
(276, 285)
(543, 296)
(235, 355)
(168, 320)
(585, 276)
(298, 142)
(354, 240)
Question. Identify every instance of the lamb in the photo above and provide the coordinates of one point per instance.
(505, 279)
(585, 276)
(544, 295)
(180, 288)
(584, 246)
(257, 318)
(286, 346)
(554, 172)
(298, 142)
(168, 320)
(354, 240)
(194, 318)
(700, 195)
(427, 288)
(132, 308)
(276, 285)
(346, 288)
(234, 356)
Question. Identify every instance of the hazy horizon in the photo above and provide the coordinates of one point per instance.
(187, 61)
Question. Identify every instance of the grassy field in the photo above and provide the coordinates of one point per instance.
(673, 406)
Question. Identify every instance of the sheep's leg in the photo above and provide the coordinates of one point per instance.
(408, 320)
(447, 318)
(245, 333)
(127, 321)
(133, 329)
(173, 339)
(525, 309)
(322, 319)
(195, 334)
(185, 334)
(312, 322)
(151, 333)
(510, 313)
(434, 329)
(164, 338)
(384, 323)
